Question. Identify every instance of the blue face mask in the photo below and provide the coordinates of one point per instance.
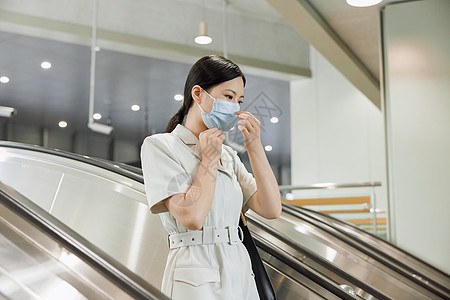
(222, 115)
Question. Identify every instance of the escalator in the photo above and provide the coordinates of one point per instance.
(43, 259)
(387, 253)
(105, 204)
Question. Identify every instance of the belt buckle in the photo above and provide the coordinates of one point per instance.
(231, 239)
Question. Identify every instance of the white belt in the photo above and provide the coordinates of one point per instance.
(207, 235)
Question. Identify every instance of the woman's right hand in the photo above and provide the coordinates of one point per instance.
(210, 142)
(192, 208)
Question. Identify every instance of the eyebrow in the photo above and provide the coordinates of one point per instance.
(234, 92)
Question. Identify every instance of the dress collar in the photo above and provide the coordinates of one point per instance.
(185, 135)
(191, 140)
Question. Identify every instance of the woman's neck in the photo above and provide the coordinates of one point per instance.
(195, 125)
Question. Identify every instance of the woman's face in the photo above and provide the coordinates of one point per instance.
(231, 90)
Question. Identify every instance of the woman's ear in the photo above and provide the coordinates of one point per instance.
(196, 93)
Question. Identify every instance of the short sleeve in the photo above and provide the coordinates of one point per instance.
(163, 174)
(245, 179)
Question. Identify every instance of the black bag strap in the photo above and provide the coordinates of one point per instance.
(263, 284)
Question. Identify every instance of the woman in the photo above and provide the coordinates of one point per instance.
(199, 186)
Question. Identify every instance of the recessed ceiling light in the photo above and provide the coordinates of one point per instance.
(4, 79)
(178, 97)
(46, 65)
(97, 116)
(363, 3)
(274, 120)
(268, 148)
(135, 107)
(62, 124)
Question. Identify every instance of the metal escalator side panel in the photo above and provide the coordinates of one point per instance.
(61, 255)
(106, 208)
(369, 275)
(291, 284)
(378, 250)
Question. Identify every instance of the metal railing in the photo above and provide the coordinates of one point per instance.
(331, 186)
(328, 186)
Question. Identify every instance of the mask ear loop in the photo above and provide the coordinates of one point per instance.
(201, 108)
(199, 104)
(208, 94)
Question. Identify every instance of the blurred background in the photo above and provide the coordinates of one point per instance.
(344, 94)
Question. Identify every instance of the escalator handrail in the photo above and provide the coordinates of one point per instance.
(379, 255)
(92, 255)
(318, 216)
(322, 218)
(116, 167)
(320, 260)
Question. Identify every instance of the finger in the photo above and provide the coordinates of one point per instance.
(244, 131)
(211, 130)
(218, 132)
(247, 124)
(246, 115)
(249, 114)
(251, 118)
(243, 115)
(208, 132)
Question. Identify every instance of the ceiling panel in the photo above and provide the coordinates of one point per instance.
(358, 27)
(44, 97)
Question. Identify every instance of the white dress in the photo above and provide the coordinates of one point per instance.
(215, 271)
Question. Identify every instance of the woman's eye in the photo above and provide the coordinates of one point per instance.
(240, 102)
(229, 97)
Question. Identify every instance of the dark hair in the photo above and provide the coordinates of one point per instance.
(207, 72)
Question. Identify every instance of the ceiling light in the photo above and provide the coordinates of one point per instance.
(178, 97)
(135, 107)
(274, 120)
(97, 116)
(63, 124)
(4, 79)
(97, 48)
(7, 112)
(46, 65)
(363, 3)
(203, 38)
(268, 148)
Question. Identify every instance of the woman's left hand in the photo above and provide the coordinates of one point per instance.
(249, 125)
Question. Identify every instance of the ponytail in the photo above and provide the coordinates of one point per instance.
(177, 118)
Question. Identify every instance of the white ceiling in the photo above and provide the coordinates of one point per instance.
(358, 27)
(257, 30)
